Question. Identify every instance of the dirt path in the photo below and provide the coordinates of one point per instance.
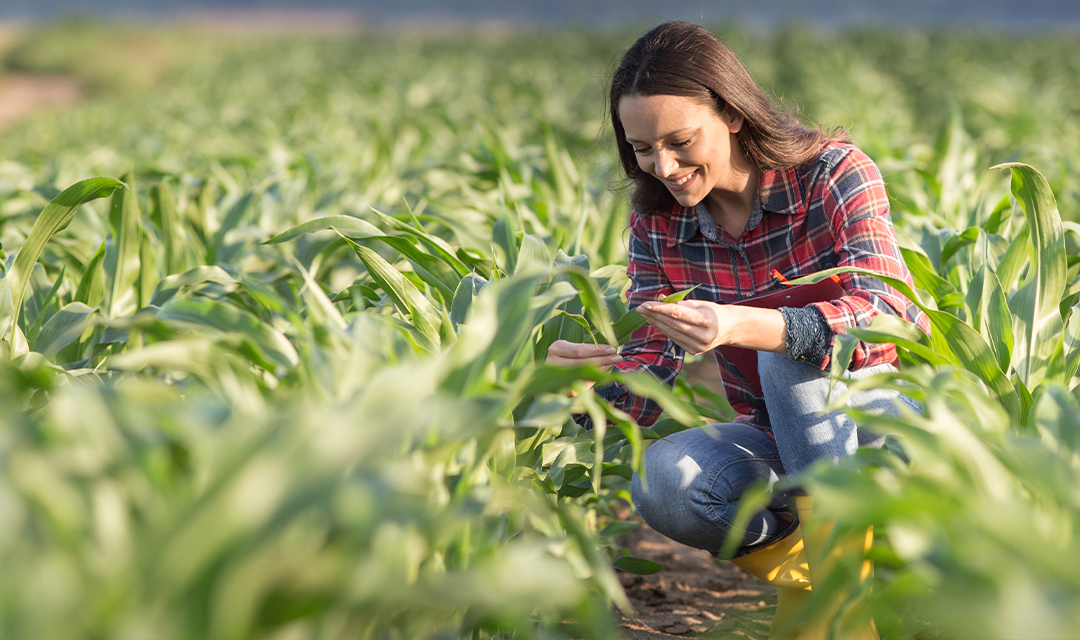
(693, 596)
(21, 95)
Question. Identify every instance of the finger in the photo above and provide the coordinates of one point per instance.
(689, 314)
(599, 361)
(693, 338)
(568, 349)
(603, 362)
(571, 354)
(669, 326)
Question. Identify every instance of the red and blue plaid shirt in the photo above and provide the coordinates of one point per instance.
(833, 212)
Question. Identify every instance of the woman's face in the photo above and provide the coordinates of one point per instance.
(686, 145)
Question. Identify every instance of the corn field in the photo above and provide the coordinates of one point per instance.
(274, 315)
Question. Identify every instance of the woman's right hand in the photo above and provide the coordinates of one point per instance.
(572, 354)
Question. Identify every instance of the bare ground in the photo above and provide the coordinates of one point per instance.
(693, 596)
(21, 95)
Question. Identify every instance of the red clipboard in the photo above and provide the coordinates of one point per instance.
(745, 360)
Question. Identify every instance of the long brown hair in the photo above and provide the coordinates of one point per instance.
(683, 59)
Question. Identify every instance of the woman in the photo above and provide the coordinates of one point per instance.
(728, 191)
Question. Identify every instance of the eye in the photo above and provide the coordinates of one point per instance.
(682, 144)
(641, 150)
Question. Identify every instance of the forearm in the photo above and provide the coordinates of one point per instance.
(752, 328)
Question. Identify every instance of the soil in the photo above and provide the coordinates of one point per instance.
(21, 95)
(693, 596)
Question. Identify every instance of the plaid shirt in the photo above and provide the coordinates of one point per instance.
(833, 212)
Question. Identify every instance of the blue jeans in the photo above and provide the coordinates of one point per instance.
(696, 477)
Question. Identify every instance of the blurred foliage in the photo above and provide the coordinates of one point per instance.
(285, 380)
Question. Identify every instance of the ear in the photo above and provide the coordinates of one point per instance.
(733, 119)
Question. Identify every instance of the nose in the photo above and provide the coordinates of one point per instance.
(665, 163)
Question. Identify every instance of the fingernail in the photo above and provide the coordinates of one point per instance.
(616, 358)
(609, 349)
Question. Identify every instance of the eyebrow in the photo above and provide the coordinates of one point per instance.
(678, 132)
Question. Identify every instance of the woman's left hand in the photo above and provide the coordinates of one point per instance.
(694, 325)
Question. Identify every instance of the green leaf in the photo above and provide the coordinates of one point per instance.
(466, 292)
(504, 235)
(53, 219)
(646, 384)
(405, 296)
(889, 328)
(1011, 264)
(266, 347)
(122, 254)
(592, 302)
(998, 325)
(163, 213)
(350, 226)
(92, 284)
(1036, 317)
(171, 285)
(533, 255)
(843, 348)
(631, 321)
(617, 528)
(636, 566)
(1071, 346)
(1058, 413)
(63, 328)
(232, 220)
(951, 336)
(922, 272)
(148, 274)
(998, 215)
(955, 244)
(322, 310)
(32, 333)
(435, 245)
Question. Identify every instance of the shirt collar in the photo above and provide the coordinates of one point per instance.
(779, 191)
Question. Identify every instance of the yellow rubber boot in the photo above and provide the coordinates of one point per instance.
(821, 564)
(782, 564)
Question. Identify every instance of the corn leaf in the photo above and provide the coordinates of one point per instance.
(351, 226)
(265, 346)
(922, 272)
(951, 336)
(54, 218)
(122, 255)
(636, 566)
(43, 310)
(592, 302)
(171, 285)
(1071, 347)
(1036, 316)
(63, 328)
(631, 321)
(409, 300)
(168, 221)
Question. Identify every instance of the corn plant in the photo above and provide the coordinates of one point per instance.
(288, 378)
(974, 519)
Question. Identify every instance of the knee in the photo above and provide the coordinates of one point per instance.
(668, 472)
(697, 474)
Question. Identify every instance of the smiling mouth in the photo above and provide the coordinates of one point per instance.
(681, 181)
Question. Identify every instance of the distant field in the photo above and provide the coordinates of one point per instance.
(275, 307)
